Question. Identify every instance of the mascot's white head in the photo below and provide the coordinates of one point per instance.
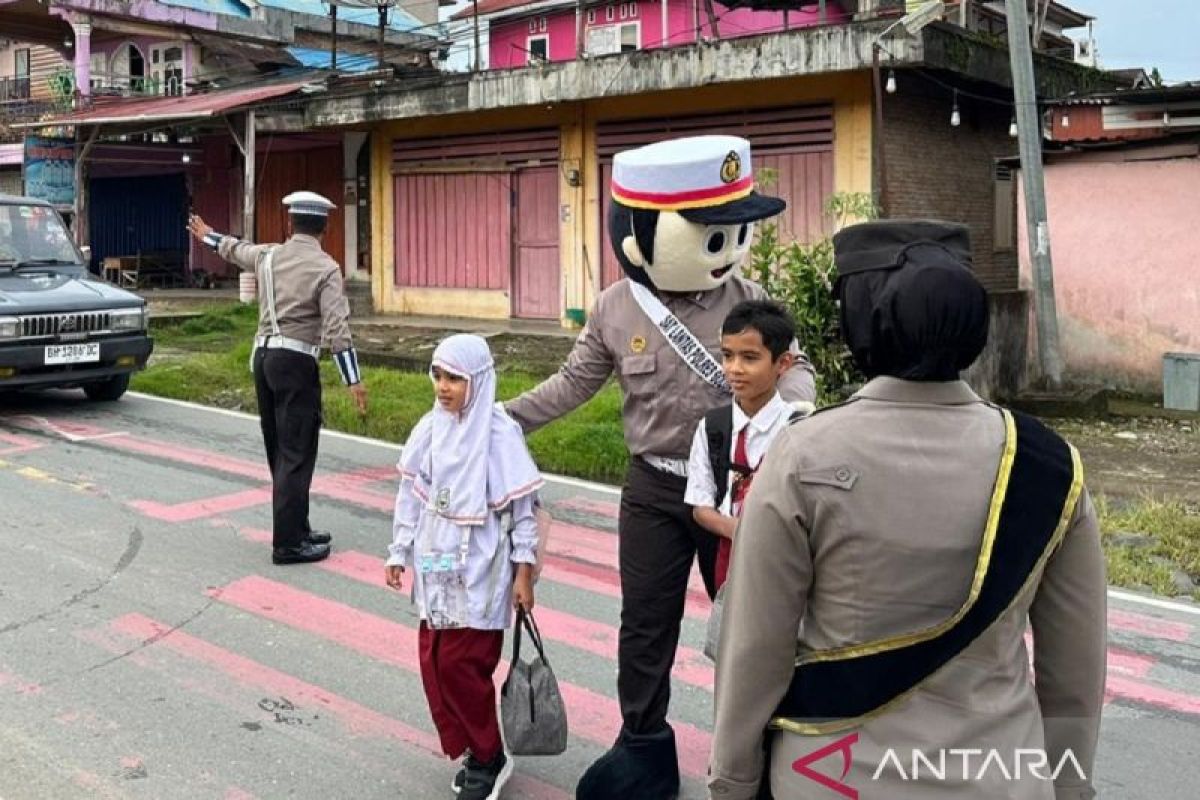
(683, 211)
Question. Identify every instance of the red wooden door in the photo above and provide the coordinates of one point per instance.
(282, 173)
(536, 292)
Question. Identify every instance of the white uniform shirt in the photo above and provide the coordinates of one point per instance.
(491, 560)
(762, 427)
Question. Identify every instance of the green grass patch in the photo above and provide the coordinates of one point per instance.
(1165, 538)
(207, 361)
(218, 328)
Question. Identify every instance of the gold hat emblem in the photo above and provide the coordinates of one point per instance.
(637, 344)
(731, 167)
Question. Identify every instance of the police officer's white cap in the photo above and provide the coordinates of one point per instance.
(308, 203)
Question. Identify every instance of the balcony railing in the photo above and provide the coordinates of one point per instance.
(14, 89)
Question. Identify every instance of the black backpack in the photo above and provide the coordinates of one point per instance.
(718, 425)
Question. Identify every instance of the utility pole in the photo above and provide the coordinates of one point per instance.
(475, 22)
(580, 32)
(1029, 129)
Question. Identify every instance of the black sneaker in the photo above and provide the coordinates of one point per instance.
(460, 778)
(485, 781)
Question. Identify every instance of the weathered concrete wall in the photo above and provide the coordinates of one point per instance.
(1126, 247)
(935, 170)
(819, 51)
(1000, 371)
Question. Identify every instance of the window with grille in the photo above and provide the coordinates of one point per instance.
(1004, 224)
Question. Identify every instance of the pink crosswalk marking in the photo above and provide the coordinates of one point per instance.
(17, 444)
(575, 574)
(583, 634)
(1152, 627)
(590, 506)
(192, 510)
(356, 719)
(592, 716)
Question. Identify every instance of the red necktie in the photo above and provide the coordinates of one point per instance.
(742, 484)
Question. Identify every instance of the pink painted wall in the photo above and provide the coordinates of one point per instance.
(509, 39)
(1126, 250)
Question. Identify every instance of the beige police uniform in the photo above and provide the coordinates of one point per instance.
(865, 522)
(301, 306)
(663, 399)
(310, 299)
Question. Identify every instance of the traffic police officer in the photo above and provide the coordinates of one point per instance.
(301, 303)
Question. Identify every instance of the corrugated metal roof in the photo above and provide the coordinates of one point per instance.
(163, 109)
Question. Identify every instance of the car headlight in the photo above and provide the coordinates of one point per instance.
(10, 327)
(127, 319)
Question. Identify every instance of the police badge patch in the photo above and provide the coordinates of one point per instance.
(731, 167)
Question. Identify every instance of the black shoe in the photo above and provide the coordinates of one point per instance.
(644, 766)
(303, 554)
(485, 781)
(318, 537)
(460, 778)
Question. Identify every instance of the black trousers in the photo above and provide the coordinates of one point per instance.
(658, 541)
(288, 385)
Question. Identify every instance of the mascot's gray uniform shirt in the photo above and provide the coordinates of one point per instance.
(663, 398)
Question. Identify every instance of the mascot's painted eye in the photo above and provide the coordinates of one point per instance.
(715, 242)
(743, 232)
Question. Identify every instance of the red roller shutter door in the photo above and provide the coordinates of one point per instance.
(480, 212)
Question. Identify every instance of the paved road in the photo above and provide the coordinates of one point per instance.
(148, 649)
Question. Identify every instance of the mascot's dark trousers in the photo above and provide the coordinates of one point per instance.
(658, 541)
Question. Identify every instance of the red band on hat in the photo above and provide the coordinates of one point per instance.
(693, 198)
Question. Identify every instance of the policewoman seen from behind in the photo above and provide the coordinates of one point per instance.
(911, 534)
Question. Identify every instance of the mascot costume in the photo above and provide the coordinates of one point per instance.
(681, 223)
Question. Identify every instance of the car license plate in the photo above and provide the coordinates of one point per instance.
(72, 353)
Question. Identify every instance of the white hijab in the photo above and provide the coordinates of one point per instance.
(467, 463)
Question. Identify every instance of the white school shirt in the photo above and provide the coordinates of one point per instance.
(491, 560)
(762, 427)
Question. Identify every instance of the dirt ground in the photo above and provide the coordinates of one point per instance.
(536, 355)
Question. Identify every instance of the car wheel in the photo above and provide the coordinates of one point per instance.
(108, 390)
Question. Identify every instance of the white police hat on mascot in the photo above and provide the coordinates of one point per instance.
(308, 203)
(706, 179)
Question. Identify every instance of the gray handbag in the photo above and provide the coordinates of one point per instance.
(531, 708)
(712, 632)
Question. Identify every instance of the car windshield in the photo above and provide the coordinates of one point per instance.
(32, 234)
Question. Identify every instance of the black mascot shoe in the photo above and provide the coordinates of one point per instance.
(318, 537)
(640, 766)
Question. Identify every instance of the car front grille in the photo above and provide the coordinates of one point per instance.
(42, 325)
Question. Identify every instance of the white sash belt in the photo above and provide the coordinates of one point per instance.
(682, 340)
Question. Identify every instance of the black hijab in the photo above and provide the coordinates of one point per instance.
(911, 307)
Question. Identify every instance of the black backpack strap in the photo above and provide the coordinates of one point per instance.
(718, 426)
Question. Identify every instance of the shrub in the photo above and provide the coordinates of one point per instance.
(801, 277)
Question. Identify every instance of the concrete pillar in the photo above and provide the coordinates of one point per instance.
(351, 145)
(82, 29)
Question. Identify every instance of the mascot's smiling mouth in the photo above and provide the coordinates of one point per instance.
(720, 273)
